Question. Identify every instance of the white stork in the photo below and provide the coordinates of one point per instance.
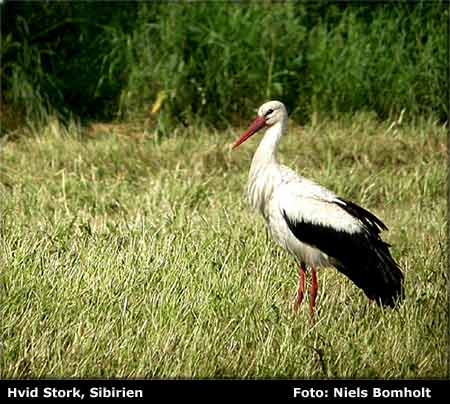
(313, 224)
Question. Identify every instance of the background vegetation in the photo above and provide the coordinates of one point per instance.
(213, 62)
(127, 248)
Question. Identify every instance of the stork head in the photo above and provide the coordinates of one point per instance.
(269, 114)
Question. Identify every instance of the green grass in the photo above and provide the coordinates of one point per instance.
(123, 254)
(212, 62)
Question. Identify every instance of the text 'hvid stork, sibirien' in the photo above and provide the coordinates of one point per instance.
(313, 224)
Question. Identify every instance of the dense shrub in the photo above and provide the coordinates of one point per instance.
(215, 62)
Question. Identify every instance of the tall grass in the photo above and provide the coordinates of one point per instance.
(124, 254)
(51, 60)
(213, 62)
(380, 64)
(28, 86)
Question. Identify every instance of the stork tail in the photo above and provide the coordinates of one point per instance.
(379, 276)
(362, 256)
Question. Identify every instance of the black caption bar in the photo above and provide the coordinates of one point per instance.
(301, 391)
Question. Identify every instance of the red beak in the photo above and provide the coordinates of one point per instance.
(255, 126)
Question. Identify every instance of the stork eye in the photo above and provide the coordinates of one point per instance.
(268, 112)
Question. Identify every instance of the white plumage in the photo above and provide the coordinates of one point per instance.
(312, 223)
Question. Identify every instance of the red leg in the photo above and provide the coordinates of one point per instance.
(313, 293)
(301, 287)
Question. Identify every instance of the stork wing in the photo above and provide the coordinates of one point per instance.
(345, 232)
(304, 201)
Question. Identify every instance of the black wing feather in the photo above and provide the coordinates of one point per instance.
(362, 256)
(367, 218)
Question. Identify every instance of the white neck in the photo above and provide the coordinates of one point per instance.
(261, 179)
(266, 152)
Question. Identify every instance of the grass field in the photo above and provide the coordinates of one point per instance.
(124, 254)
